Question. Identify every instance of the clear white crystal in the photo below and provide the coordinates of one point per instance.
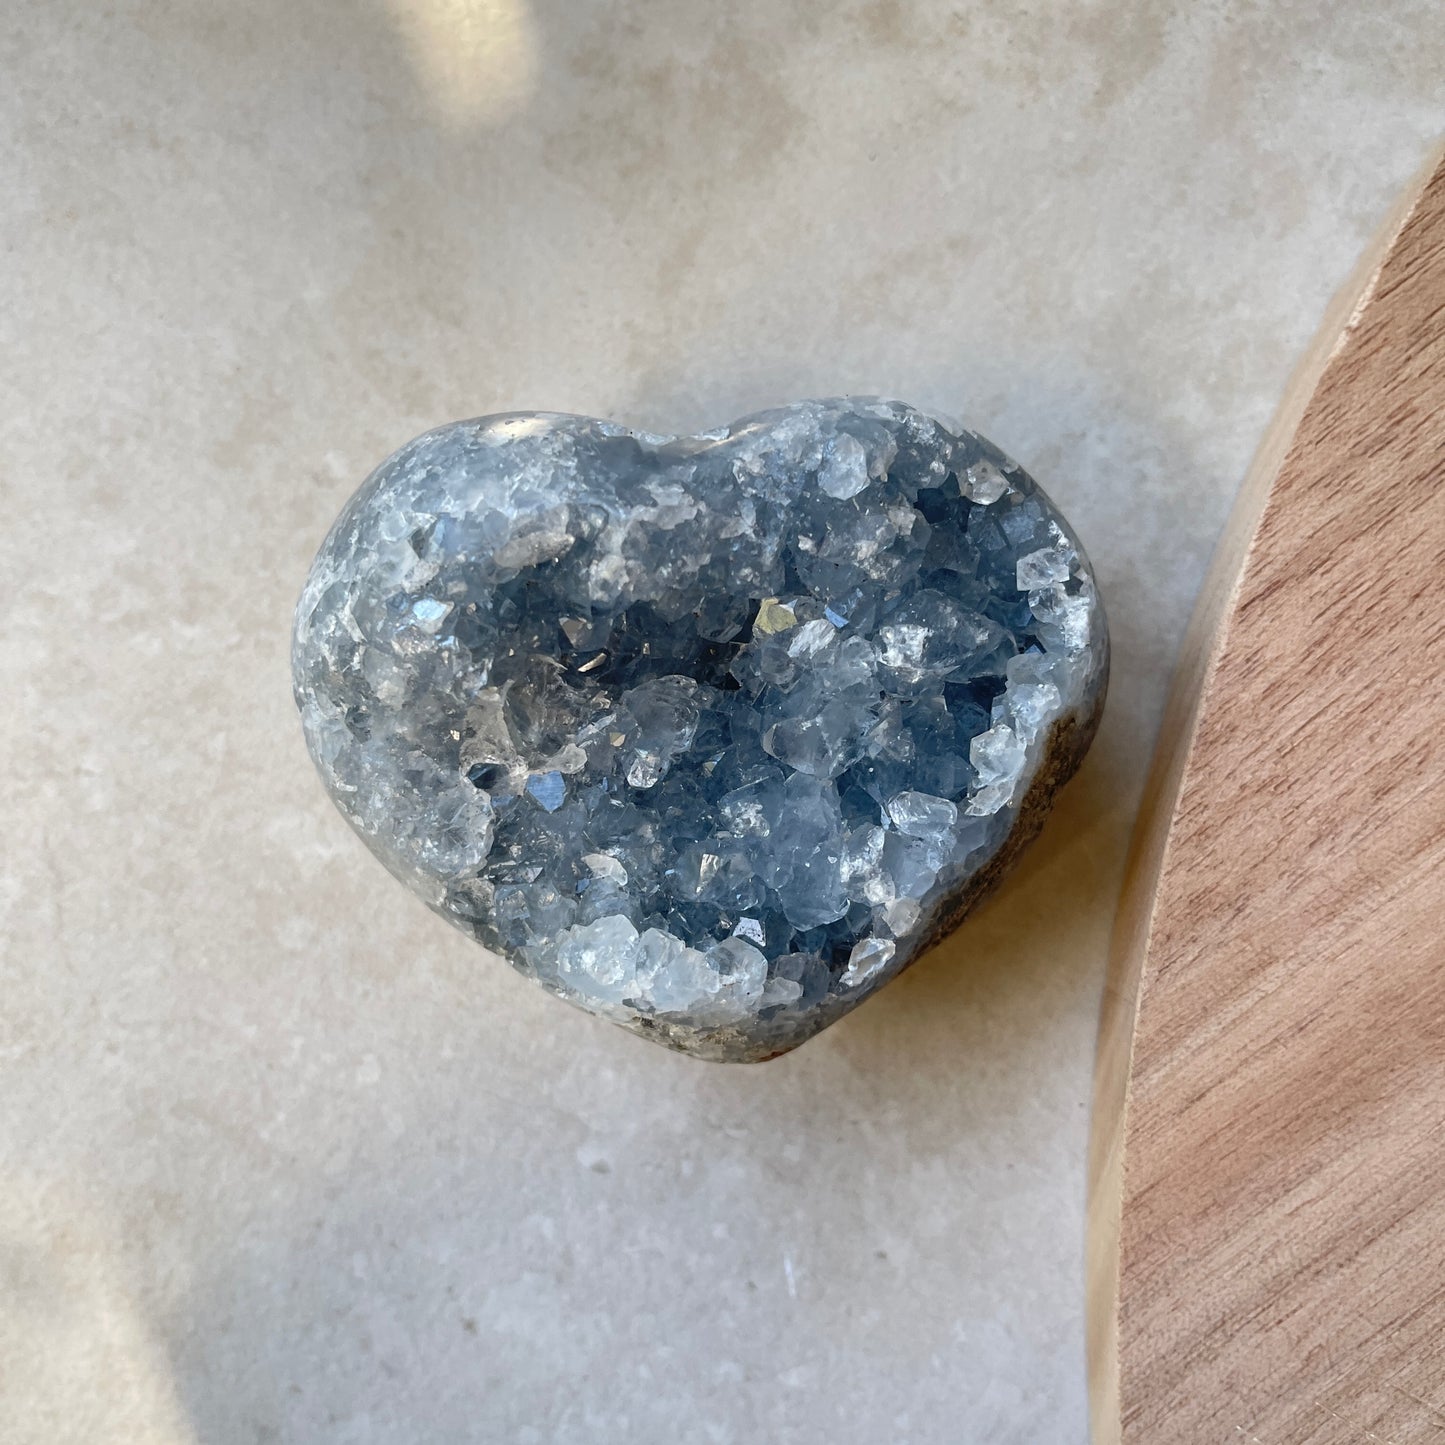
(1044, 567)
(922, 816)
(984, 483)
(599, 960)
(844, 472)
(869, 958)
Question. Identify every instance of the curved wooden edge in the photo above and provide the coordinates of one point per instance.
(1151, 839)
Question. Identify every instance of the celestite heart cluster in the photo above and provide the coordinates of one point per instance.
(708, 735)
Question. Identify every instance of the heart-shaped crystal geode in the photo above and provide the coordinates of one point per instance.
(713, 735)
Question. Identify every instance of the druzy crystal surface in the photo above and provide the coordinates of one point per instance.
(708, 735)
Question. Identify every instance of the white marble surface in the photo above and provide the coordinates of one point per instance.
(286, 1160)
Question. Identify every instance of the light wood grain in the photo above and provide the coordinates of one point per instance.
(1267, 1191)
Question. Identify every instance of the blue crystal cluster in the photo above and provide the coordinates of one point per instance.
(708, 735)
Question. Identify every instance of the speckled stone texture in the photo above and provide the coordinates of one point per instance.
(711, 735)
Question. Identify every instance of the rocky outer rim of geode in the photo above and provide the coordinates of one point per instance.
(1069, 739)
(973, 624)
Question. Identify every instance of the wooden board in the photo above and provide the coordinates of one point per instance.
(1267, 1187)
